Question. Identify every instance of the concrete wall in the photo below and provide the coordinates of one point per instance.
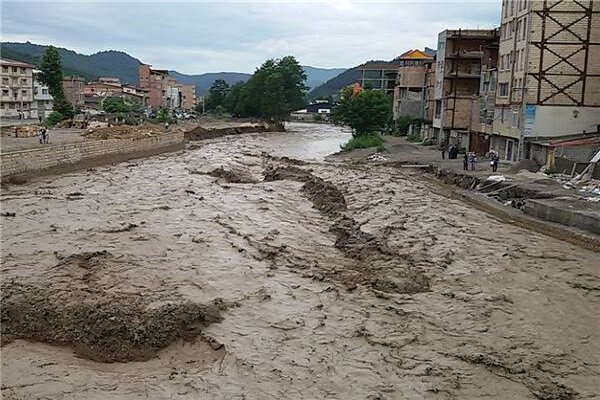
(560, 121)
(21, 162)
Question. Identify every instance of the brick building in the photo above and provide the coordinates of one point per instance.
(17, 89)
(73, 87)
(164, 91)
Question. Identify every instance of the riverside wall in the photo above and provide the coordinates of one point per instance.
(85, 154)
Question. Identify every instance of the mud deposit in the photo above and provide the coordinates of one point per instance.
(248, 268)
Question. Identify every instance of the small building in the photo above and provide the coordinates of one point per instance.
(110, 80)
(319, 107)
(73, 87)
(17, 89)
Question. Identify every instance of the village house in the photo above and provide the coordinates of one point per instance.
(17, 89)
(379, 75)
(164, 91)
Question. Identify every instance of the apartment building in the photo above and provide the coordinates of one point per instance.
(409, 93)
(379, 75)
(43, 102)
(457, 82)
(548, 74)
(73, 87)
(164, 91)
(17, 89)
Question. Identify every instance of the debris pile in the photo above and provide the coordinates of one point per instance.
(122, 132)
(25, 131)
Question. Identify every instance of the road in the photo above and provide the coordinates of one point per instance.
(250, 268)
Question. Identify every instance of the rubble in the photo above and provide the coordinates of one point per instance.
(25, 131)
(123, 132)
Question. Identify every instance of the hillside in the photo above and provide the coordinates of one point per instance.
(334, 85)
(125, 67)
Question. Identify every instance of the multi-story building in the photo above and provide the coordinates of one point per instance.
(548, 74)
(17, 89)
(42, 104)
(379, 75)
(164, 91)
(73, 87)
(427, 131)
(481, 132)
(458, 74)
(409, 94)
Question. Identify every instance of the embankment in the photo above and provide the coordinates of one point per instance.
(200, 133)
(54, 159)
(565, 218)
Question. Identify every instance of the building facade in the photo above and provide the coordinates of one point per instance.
(379, 75)
(457, 81)
(73, 87)
(164, 91)
(17, 89)
(549, 73)
(409, 93)
(43, 102)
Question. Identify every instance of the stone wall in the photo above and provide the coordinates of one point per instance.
(85, 153)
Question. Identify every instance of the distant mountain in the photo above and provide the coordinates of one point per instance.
(125, 67)
(317, 76)
(203, 82)
(333, 86)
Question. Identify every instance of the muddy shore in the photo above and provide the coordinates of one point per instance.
(249, 267)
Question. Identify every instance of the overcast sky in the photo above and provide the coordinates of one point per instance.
(200, 36)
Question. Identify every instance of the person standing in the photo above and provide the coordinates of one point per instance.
(494, 161)
(45, 135)
(473, 161)
(466, 162)
(443, 150)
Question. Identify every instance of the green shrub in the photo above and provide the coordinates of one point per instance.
(54, 118)
(363, 142)
(413, 137)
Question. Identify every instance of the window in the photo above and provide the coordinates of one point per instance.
(23, 92)
(14, 69)
(4, 92)
(4, 68)
(503, 89)
(438, 108)
(44, 91)
(524, 27)
(11, 105)
(5, 81)
(24, 81)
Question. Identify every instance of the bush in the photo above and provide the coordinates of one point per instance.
(413, 137)
(54, 118)
(364, 141)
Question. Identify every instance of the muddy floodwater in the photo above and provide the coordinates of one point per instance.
(250, 268)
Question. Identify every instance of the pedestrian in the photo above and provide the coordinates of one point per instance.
(443, 150)
(472, 161)
(41, 134)
(46, 135)
(466, 162)
(167, 126)
(40, 118)
(494, 161)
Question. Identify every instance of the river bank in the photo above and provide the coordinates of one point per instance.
(249, 267)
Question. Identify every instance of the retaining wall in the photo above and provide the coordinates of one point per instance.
(85, 153)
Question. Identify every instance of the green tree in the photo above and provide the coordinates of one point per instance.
(274, 90)
(115, 105)
(217, 94)
(365, 112)
(52, 75)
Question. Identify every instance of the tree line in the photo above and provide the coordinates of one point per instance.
(275, 89)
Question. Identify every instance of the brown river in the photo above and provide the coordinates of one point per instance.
(250, 267)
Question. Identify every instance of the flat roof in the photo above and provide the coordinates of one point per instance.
(13, 63)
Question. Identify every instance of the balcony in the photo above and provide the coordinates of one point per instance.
(465, 54)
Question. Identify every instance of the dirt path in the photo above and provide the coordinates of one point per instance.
(229, 272)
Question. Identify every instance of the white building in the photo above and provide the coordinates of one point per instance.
(42, 99)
